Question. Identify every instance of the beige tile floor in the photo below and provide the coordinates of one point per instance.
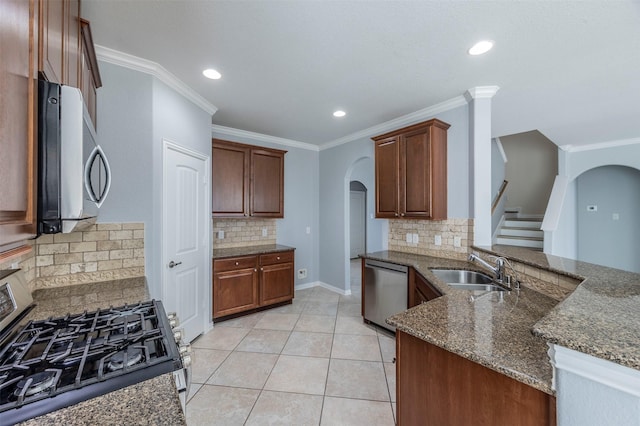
(313, 362)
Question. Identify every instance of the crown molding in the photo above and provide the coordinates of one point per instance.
(229, 131)
(399, 122)
(600, 145)
(481, 92)
(135, 63)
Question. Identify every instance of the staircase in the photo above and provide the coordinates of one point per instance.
(521, 231)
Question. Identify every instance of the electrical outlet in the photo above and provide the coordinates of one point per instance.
(221, 235)
(438, 240)
(457, 241)
(302, 273)
(264, 232)
(415, 238)
(409, 238)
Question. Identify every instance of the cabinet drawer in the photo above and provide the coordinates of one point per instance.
(273, 258)
(235, 263)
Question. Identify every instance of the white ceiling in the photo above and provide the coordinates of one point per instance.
(570, 69)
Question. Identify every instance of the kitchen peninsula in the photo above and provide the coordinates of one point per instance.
(507, 332)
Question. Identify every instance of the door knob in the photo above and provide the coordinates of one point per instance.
(173, 264)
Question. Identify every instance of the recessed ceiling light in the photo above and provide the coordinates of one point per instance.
(481, 47)
(212, 74)
(339, 113)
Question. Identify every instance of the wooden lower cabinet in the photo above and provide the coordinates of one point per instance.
(246, 283)
(420, 290)
(437, 387)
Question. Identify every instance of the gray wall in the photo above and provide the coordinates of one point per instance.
(337, 167)
(135, 112)
(602, 239)
(300, 204)
(532, 165)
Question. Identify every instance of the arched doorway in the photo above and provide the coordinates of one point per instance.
(608, 199)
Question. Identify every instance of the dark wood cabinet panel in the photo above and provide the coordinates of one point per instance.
(89, 79)
(52, 39)
(235, 291)
(230, 172)
(242, 284)
(276, 283)
(267, 183)
(387, 177)
(420, 290)
(18, 130)
(437, 387)
(411, 172)
(248, 181)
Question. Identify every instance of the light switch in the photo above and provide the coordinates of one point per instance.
(415, 238)
(221, 235)
(592, 208)
(615, 216)
(457, 241)
(308, 229)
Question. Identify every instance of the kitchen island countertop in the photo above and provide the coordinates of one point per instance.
(491, 330)
(152, 402)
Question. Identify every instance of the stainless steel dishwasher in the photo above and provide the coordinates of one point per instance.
(385, 291)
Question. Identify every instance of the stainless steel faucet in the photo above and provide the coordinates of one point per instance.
(498, 270)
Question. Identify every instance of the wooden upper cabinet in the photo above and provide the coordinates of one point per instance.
(247, 181)
(51, 46)
(66, 50)
(18, 129)
(267, 179)
(411, 172)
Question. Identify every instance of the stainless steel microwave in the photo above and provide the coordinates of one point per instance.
(73, 172)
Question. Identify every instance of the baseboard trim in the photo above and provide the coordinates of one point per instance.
(323, 285)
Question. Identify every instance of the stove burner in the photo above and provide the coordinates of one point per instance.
(36, 383)
(117, 362)
(133, 323)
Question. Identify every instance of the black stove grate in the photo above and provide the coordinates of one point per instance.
(89, 354)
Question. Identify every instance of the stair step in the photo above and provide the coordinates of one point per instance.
(530, 242)
(521, 232)
(522, 223)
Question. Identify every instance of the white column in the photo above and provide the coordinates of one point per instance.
(479, 99)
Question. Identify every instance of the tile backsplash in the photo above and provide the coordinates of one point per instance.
(243, 232)
(449, 231)
(105, 251)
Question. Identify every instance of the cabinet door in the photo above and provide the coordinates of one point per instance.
(230, 174)
(72, 43)
(234, 291)
(387, 183)
(276, 277)
(267, 184)
(52, 34)
(415, 175)
(276, 283)
(18, 123)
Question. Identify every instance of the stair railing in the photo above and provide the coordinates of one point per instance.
(501, 192)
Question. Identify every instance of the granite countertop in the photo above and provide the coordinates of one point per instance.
(600, 318)
(493, 330)
(152, 402)
(249, 250)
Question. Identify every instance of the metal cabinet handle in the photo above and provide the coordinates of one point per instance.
(237, 263)
(278, 258)
(395, 214)
(173, 264)
(255, 269)
(262, 269)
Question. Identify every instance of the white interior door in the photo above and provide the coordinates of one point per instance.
(357, 225)
(186, 238)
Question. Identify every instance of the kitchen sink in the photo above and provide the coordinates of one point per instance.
(477, 287)
(467, 280)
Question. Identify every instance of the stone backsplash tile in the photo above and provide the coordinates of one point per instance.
(105, 251)
(243, 232)
(427, 231)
